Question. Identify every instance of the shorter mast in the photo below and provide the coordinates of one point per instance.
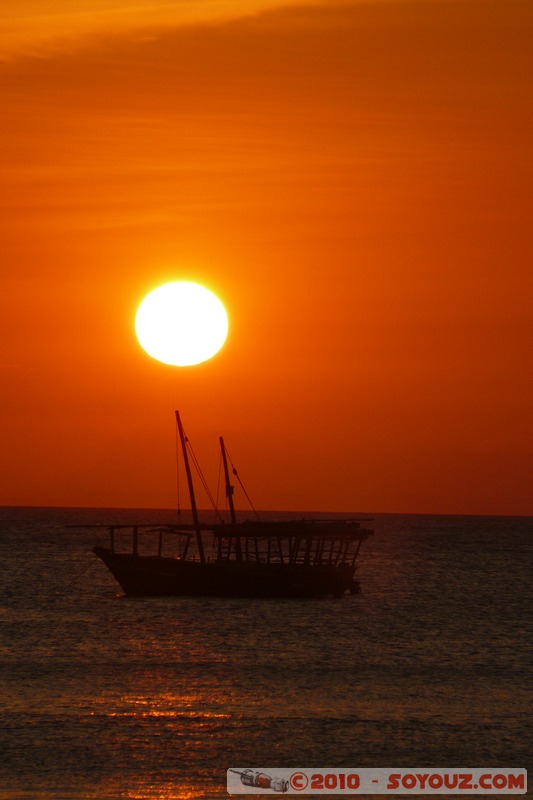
(229, 487)
(199, 542)
(229, 495)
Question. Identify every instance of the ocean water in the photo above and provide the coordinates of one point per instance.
(104, 697)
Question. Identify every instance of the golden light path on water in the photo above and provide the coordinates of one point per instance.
(198, 710)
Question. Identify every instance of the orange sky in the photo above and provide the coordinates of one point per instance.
(352, 179)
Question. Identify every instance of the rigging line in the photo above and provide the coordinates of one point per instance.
(64, 589)
(196, 465)
(201, 476)
(242, 485)
(219, 473)
(178, 471)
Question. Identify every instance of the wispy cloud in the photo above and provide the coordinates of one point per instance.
(299, 92)
(41, 27)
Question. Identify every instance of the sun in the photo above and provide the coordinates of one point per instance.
(181, 323)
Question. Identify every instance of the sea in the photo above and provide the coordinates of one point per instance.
(104, 697)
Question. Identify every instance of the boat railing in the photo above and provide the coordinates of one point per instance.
(312, 544)
(305, 550)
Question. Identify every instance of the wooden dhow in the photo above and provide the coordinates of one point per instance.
(252, 558)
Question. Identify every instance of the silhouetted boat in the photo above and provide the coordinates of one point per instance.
(254, 558)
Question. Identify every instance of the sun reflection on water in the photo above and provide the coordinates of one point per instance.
(181, 792)
(155, 740)
(187, 705)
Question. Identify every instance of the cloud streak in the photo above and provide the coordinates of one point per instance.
(44, 27)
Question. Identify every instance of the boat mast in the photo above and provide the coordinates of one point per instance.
(199, 542)
(229, 495)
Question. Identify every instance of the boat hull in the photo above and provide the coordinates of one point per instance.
(156, 576)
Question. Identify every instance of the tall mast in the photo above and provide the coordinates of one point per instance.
(183, 441)
(229, 495)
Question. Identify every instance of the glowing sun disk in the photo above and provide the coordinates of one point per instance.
(181, 323)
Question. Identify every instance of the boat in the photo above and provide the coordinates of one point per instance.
(294, 558)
